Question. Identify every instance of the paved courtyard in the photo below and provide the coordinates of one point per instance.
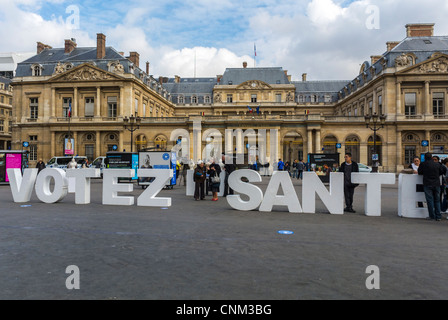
(207, 250)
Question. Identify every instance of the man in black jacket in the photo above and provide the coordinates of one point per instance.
(431, 172)
(347, 168)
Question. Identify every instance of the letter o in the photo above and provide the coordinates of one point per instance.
(43, 181)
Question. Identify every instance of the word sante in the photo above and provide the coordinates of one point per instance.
(332, 198)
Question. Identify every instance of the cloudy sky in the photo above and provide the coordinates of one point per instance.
(327, 39)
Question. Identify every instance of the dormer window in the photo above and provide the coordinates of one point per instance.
(194, 99)
(180, 99)
(36, 70)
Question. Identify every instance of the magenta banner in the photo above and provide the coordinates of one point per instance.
(13, 161)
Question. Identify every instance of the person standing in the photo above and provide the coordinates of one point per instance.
(300, 168)
(199, 181)
(348, 167)
(295, 170)
(414, 166)
(444, 207)
(40, 166)
(431, 172)
(214, 172)
(280, 165)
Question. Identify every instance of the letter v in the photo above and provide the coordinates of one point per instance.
(22, 187)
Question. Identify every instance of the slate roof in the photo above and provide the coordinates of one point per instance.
(190, 86)
(6, 81)
(236, 76)
(50, 57)
(319, 86)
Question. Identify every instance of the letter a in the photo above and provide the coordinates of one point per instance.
(72, 281)
(373, 281)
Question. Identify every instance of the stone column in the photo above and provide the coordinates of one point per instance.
(75, 102)
(120, 112)
(98, 144)
(398, 94)
(53, 144)
(310, 141)
(53, 102)
(428, 104)
(120, 141)
(318, 142)
(399, 151)
(363, 153)
(98, 102)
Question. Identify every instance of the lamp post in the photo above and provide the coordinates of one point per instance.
(375, 123)
(132, 124)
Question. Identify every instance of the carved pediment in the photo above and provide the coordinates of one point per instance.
(254, 85)
(437, 64)
(85, 72)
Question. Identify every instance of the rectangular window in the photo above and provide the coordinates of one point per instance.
(2, 125)
(278, 97)
(438, 103)
(66, 102)
(90, 152)
(229, 98)
(409, 154)
(89, 107)
(34, 108)
(33, 138)
(10, 101)
(136, 107)
(9, 126)
(2, 111)
(112, 107)
(370, 107)
(380, 105)
(253, 98)
(144, 110)
(327, 98)
(2, 99)
(33, 152)
(410, 104)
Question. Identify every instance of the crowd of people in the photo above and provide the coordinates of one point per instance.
(435, 178)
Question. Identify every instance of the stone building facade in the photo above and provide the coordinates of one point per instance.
(408, 83)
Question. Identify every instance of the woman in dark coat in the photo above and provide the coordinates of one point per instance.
(199, 176)
(214, 172)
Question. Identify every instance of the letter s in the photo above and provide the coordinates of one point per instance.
(255, 194)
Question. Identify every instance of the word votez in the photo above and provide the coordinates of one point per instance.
(22, 186)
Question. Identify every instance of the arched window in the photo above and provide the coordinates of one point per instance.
(180, 99)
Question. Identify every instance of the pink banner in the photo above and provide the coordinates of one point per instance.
(13, 161)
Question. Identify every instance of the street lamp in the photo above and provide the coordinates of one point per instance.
(132, 124)
(375, 123)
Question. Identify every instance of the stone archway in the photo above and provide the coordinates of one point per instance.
(329, 144)
(292, 146)
(352, 145)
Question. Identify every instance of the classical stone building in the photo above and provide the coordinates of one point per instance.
(5, 113)
(407, 83)
(101, 87)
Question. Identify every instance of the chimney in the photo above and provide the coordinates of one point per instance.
(41, 47)
(135, 58)
(70, 45)
(176, 79)
(303, 77)
(244, 64)
(100, 46)
(392, 44)
(374, 59)
(219, 78)
(121, 53)
(147, 67)
(420, 30)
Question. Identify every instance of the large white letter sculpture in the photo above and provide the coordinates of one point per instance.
(333, 200)
(408, 197)
(82, 183)
(255, 194)
(149, 197)
(43, 181)
(111, 187)
(373, 181)
(289, 198)
(22, 187)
